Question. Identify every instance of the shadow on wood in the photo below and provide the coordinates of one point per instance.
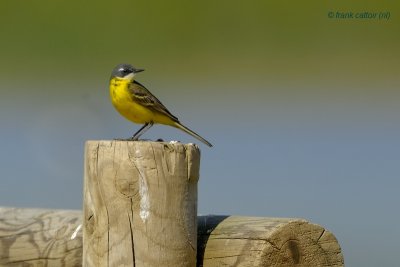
(206, 224)
(39, 237)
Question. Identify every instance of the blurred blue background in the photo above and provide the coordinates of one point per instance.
(303, 110)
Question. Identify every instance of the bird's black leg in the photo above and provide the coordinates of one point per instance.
(138, 133)
(141, 131)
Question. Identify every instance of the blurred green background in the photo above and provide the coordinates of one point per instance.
(303, 109)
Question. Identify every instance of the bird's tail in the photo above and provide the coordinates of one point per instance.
(195, 135)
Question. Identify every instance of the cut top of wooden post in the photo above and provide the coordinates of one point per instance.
(140, 203)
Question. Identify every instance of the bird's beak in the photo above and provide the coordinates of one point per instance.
(138, 70)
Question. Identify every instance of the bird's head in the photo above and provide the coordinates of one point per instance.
(125, 71)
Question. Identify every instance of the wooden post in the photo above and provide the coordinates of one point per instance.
(140, 204)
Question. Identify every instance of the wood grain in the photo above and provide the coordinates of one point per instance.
(37, 237)
(140, 204)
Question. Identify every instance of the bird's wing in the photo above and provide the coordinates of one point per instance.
(141, 95)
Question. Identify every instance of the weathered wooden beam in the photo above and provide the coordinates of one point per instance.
(140, 204)
(255, 241)
(39, 237)
(54, 238)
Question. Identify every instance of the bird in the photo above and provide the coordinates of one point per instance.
(137, 104)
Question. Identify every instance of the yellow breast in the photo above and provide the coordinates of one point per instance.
(125, 105)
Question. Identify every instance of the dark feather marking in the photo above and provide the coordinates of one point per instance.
(141, 95)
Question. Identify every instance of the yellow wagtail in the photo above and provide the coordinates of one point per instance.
(138, 105)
